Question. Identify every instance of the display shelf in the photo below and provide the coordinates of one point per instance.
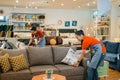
(102, 26)
(24, 21)
(21, 30)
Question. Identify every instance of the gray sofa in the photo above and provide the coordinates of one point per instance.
(40, 59)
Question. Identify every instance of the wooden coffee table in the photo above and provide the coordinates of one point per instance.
(56, 76)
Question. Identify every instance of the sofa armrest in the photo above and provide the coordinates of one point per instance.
(118, 61)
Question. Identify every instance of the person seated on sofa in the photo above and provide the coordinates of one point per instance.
(98, 57)
(38, 36)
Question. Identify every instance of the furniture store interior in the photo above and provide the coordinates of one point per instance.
(59, 39)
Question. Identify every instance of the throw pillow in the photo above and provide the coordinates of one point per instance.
(4, 63)
(18, 62)
(52, 42)
(70, 58)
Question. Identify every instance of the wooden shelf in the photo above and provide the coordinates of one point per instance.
(26, 22)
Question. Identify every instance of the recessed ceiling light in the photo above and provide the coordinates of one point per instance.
(32, 2)
(17, 1)
(94, 2)
(62, 4)
(29, 5)
(88, 4)
(53, 0)
(74, 0)
(26, 7)
(79, 6)
(36, 7)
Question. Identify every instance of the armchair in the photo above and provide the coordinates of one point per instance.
(113, 54)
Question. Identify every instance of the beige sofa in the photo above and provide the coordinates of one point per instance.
(40, 59)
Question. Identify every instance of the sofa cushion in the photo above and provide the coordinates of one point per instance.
(18, 62)
(111, 57)
(59, 53)
(70, 58)
(67, 70)
(112, 47)
(36, 70)
(21, 75)
(15, 52)
(40, 56)
(4, 63)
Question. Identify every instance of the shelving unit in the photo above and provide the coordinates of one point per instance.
(24, 21)
(102, 26)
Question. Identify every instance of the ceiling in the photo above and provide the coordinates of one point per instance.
(59, 4)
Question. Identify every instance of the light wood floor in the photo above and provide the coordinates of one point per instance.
(112, 75)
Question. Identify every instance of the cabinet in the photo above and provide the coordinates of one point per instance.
(24, 21)
(102, 26)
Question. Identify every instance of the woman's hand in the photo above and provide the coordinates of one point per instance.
(76, 64)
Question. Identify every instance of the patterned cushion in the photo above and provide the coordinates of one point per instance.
(59, 53)
(18, 63)
(70, 58)
(112, 47)
(15, 52)
(4, 63)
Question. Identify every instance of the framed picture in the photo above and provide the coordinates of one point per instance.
(67, 23)
(74, 23)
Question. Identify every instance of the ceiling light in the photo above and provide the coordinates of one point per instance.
(79, 6)
(62, 4)
(36, 7)
(32, 2)
(53, 0)
(94, 2)
(17, 1)
(26, 6)
(88, 4)
(74, 0)
(29, 5)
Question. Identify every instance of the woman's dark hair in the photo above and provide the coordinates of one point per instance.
(33, 29)
(80, 32)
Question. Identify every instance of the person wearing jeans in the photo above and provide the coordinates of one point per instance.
(38, 37)
(98, 57)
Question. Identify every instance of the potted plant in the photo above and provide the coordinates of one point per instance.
(49, 72)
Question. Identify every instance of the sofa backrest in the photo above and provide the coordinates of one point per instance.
(40, 56)
(119, 48)
(112, 47)
(59, 53)
(105, 43)
(14, 52)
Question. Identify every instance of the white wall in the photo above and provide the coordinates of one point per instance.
(115, 29)
(53, 15)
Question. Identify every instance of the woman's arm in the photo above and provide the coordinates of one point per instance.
(80, 58)
(30, 41)
(39, 40)
(88, 52)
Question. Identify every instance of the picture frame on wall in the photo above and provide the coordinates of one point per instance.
(67, 23)
(74, 23)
